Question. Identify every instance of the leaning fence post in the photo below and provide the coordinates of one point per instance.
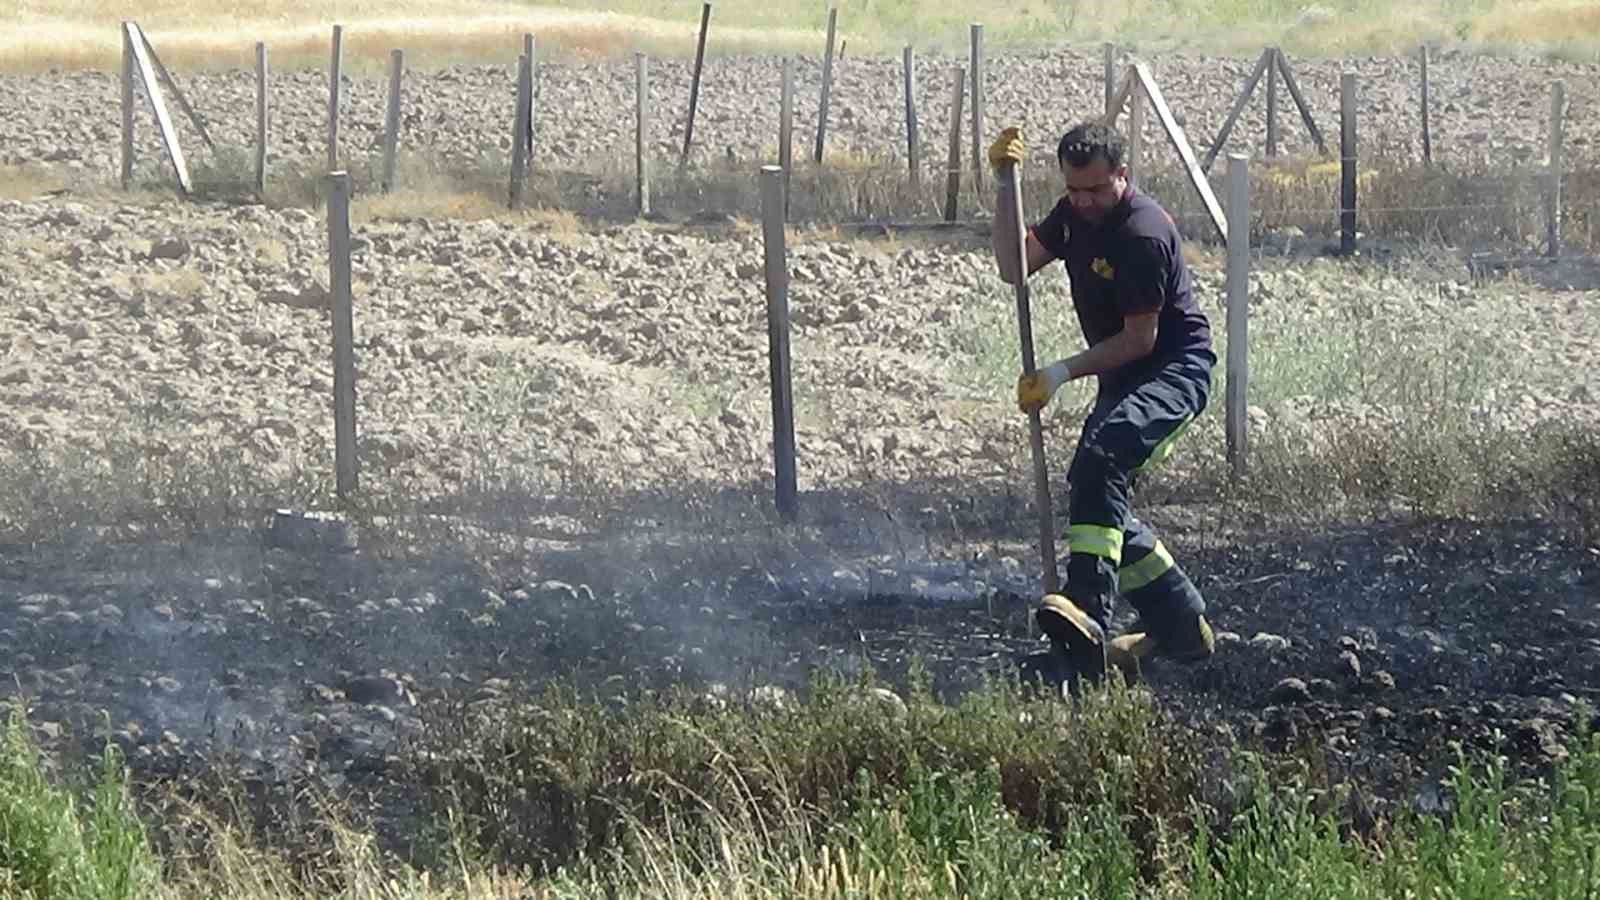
(913, 145)
(344, 369)
(1347, 163)
(694, 85)
(641, 144)
(142, 60)
(1238, 369)
(334, 67)
(1558, 97)
(1272, 103)
(391, 119)
(827, 83)
(952, 188)
(261, 118)
(777, 276)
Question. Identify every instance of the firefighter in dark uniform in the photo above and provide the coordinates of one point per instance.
(1149, 344)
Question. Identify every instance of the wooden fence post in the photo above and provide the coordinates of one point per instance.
(1287, 72)
(1266, 60)
(127, 107)
(694, 84)
(952, 189)
(1427, 137)
(777, 277)
(1347, 163)
(158, 106)
(1238, 287)
(334, 69)
(641, 142)
(1558, 98)
(1135, 145)
(533, 94)
(161, 72)
(976, 65)
(786, 129)
(519, 132)
(1109, 51)
(261, 118)
(913, 145)
(344, 368)
(391, 118)
(1144, 81)
(827, 83)
(1272, 104)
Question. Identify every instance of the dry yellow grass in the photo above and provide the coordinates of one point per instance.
(1569, 27)
(428, 203)
(83, 34)
(221, 33)
(27, 182)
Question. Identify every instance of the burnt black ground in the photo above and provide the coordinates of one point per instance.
(1402, 637)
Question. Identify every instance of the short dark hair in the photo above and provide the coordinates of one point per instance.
(1088, 140)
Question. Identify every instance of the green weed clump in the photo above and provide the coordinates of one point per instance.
(52, 847)
(551, 784)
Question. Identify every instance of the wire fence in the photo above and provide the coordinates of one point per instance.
(462, 143)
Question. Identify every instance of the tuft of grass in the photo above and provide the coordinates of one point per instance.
(28, 182)
(51, 846)
(550, 785)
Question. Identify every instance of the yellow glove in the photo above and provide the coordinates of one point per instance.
(1007, 148)
(1034, 391)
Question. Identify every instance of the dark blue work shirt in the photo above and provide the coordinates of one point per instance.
(1132, 262)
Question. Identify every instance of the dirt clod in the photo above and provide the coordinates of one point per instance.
(1291, 690)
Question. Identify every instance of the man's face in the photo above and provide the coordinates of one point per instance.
(1094, 189)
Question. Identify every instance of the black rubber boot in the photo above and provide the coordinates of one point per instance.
(1076, 635)
(1171, 625)
(1188, 641)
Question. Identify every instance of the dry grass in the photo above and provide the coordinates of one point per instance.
(1568, 28)
(27, 182)
(838, 797)
(83, 33)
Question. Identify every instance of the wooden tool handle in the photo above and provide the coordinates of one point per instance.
(1011, 182)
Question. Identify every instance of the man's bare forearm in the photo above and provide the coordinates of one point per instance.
(1106, 356)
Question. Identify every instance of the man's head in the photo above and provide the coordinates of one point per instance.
(1096, 174)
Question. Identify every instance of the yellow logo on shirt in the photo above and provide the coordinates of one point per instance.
(1103, 268)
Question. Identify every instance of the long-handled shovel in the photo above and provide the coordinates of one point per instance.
(1011, 182)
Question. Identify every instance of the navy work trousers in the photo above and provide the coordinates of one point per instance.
(1132, 428)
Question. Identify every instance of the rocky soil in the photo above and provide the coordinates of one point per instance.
(1484, 110)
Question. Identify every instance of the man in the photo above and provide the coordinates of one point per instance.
(1150, 348)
